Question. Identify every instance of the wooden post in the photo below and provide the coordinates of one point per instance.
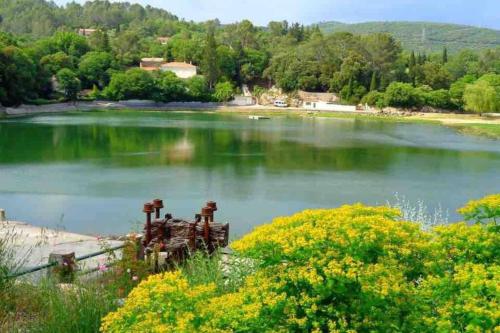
(2, 215)
(64, 270)
(136, 240)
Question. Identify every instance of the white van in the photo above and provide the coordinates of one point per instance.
(280, 104)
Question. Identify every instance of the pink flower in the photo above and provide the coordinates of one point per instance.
(135, 278)
(102, 268)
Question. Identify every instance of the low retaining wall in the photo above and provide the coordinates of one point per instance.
(27, 110)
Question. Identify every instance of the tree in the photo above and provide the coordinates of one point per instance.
(169, 87)
(53, 63)
(412, 64)
(133, 84)
(445, 55)
(126, 46)
(197, 89)
(483, 95)
(400, 95)
(70, 43)
(278, 29)
(463, 63)
(69, 83)
(227, 62)
(209, 65)
(17, 76)
(224, 91)
(373, 83)
(457, 90)
(93, 68)
(253, 64)
(434, 75)
(383, 51)
(99, 41)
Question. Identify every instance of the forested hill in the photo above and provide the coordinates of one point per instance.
(425, 36)
(40, 18)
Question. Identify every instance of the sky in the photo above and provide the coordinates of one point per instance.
(482, 13)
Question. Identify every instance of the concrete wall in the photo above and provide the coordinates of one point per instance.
(323, 106)
(183, 73)
(242, 101)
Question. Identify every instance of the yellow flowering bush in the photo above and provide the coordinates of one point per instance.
(350, 269)
(486, 209)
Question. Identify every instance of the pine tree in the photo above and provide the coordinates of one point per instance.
(210, 67)
(445, 55)
(373, 83)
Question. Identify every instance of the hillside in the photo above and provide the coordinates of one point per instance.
(424, 36)
(41, 18)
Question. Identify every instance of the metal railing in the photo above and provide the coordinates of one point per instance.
(55, 263)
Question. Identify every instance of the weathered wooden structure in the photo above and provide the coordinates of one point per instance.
(176, 239)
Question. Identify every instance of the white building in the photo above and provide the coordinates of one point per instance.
(328, 106)
(86, 32)
(181, 69)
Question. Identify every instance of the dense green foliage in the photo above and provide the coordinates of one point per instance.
(350, 269)
(424, 36)
(290, 56)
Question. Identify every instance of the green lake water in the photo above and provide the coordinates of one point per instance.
(91, 172)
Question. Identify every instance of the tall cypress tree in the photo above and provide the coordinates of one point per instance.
(411, 66)
(350, 89)
(413, 61)
(210, 67)
(373, 83)
(445, 55)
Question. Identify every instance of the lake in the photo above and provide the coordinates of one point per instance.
(91, 172)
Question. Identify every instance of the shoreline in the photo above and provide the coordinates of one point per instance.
(32, 245)
(465, 123)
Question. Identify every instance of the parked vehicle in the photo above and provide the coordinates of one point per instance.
(280, 103)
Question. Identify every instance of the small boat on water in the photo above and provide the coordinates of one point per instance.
(253, 117)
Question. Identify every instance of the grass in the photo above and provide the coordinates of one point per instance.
(47, 306)
(227, 272)
(487, 130)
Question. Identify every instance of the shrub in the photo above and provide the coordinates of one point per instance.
(134, 83)
(169, 87)
(401, 95)
(224, 91)
(483, 210)
(197, 88)
(438, 99)
(69, 83)
(354, 268)
(374, 98)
